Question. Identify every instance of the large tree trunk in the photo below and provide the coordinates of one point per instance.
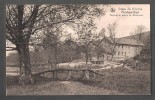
(86, 54)
(112, 56)
(55, 54)
(55, 63)
(25, 66)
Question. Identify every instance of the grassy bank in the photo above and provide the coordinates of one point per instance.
(132, 83)
(118, 79)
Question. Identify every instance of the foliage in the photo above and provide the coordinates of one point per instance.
(24, 22)
(112, 29)
(138, 36)
(36, 58)
(99, 46)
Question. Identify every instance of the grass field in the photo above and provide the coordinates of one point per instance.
(130, 83)
(118, 81)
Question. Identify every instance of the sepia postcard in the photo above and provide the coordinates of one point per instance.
(78, 49)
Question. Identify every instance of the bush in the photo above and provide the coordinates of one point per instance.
(137, 64)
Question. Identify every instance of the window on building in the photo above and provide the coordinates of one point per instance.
(118, 52)
(122, 46)
(125, 53)
(122, 53)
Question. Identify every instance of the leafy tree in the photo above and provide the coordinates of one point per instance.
(51, 43)
(112, 29)
(143, 53)
(85, 38)
(24, 21)
(137, 35)
(99, 38)
(19, 28)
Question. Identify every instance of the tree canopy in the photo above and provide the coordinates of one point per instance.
(27, 24)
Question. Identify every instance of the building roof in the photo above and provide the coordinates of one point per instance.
(126, 41)
(129, 42)
(145, 36)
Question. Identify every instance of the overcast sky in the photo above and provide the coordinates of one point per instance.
(126, 24)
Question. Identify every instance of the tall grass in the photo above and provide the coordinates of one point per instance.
(130, 83)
